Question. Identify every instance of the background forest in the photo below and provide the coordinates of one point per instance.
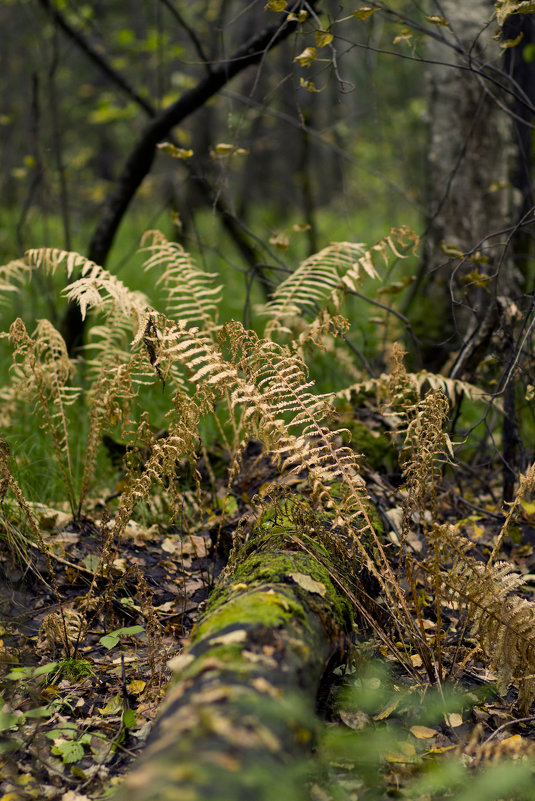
(281, 268)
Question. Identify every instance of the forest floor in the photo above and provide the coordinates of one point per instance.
(73, 723)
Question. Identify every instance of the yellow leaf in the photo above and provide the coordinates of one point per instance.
(504, 9)
(275, 5)
(436, 19)
(528, 507)
(136, 686)
(422, 732)
(507, 43)
(301, 17)
(364, 12)
(280, 241)
(453, 719)
(387, 711)
(323, 38)
(223, 148)
(113, 707)
(174, 151)
(404, 36)
(451, 250)
(308, 55)
(475, 278)
(310, 86)
(309, 584)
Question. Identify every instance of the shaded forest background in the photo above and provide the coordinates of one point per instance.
(345, 161)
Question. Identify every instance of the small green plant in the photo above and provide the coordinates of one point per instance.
(113, 638)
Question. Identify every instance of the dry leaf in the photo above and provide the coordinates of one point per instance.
(422, 732)
(308, 583)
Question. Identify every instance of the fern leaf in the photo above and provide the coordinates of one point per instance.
(320, 283)
(42, 370)
(191, 294)
(502, 621)
(311, 284)
(12, 275)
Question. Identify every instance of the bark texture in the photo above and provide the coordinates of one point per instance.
(238, 722)
(472, 157)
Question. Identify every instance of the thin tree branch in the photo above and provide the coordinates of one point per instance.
(191, 33)
(142, 155)
(95, 57)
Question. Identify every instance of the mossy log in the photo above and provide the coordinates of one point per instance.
(238, 721)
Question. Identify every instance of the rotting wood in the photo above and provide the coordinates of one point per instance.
(238, 721)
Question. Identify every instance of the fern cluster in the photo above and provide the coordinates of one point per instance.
(259, 386)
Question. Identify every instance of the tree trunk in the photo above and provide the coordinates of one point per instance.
(479, 196)
(471, 160)
(238, 722)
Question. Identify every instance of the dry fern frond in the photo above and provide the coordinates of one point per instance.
(12, 275)
(321, 282)
(162, 464)
(426, 444)
(41, 372)
(453, 388)
(312, 283)
(526, 485)
(269, 387)
(191, 294)
(97, 288)
(502, 621)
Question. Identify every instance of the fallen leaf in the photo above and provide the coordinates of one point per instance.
(309, 584)
(422, 732)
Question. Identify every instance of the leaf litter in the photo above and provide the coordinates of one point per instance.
(71, 724)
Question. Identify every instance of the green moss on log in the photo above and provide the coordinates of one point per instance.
(238, 721)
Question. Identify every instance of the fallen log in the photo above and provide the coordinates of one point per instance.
(238, 721)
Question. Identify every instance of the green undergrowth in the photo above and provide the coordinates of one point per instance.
(394, 740)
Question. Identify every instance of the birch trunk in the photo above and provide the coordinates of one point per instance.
(472, 157)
